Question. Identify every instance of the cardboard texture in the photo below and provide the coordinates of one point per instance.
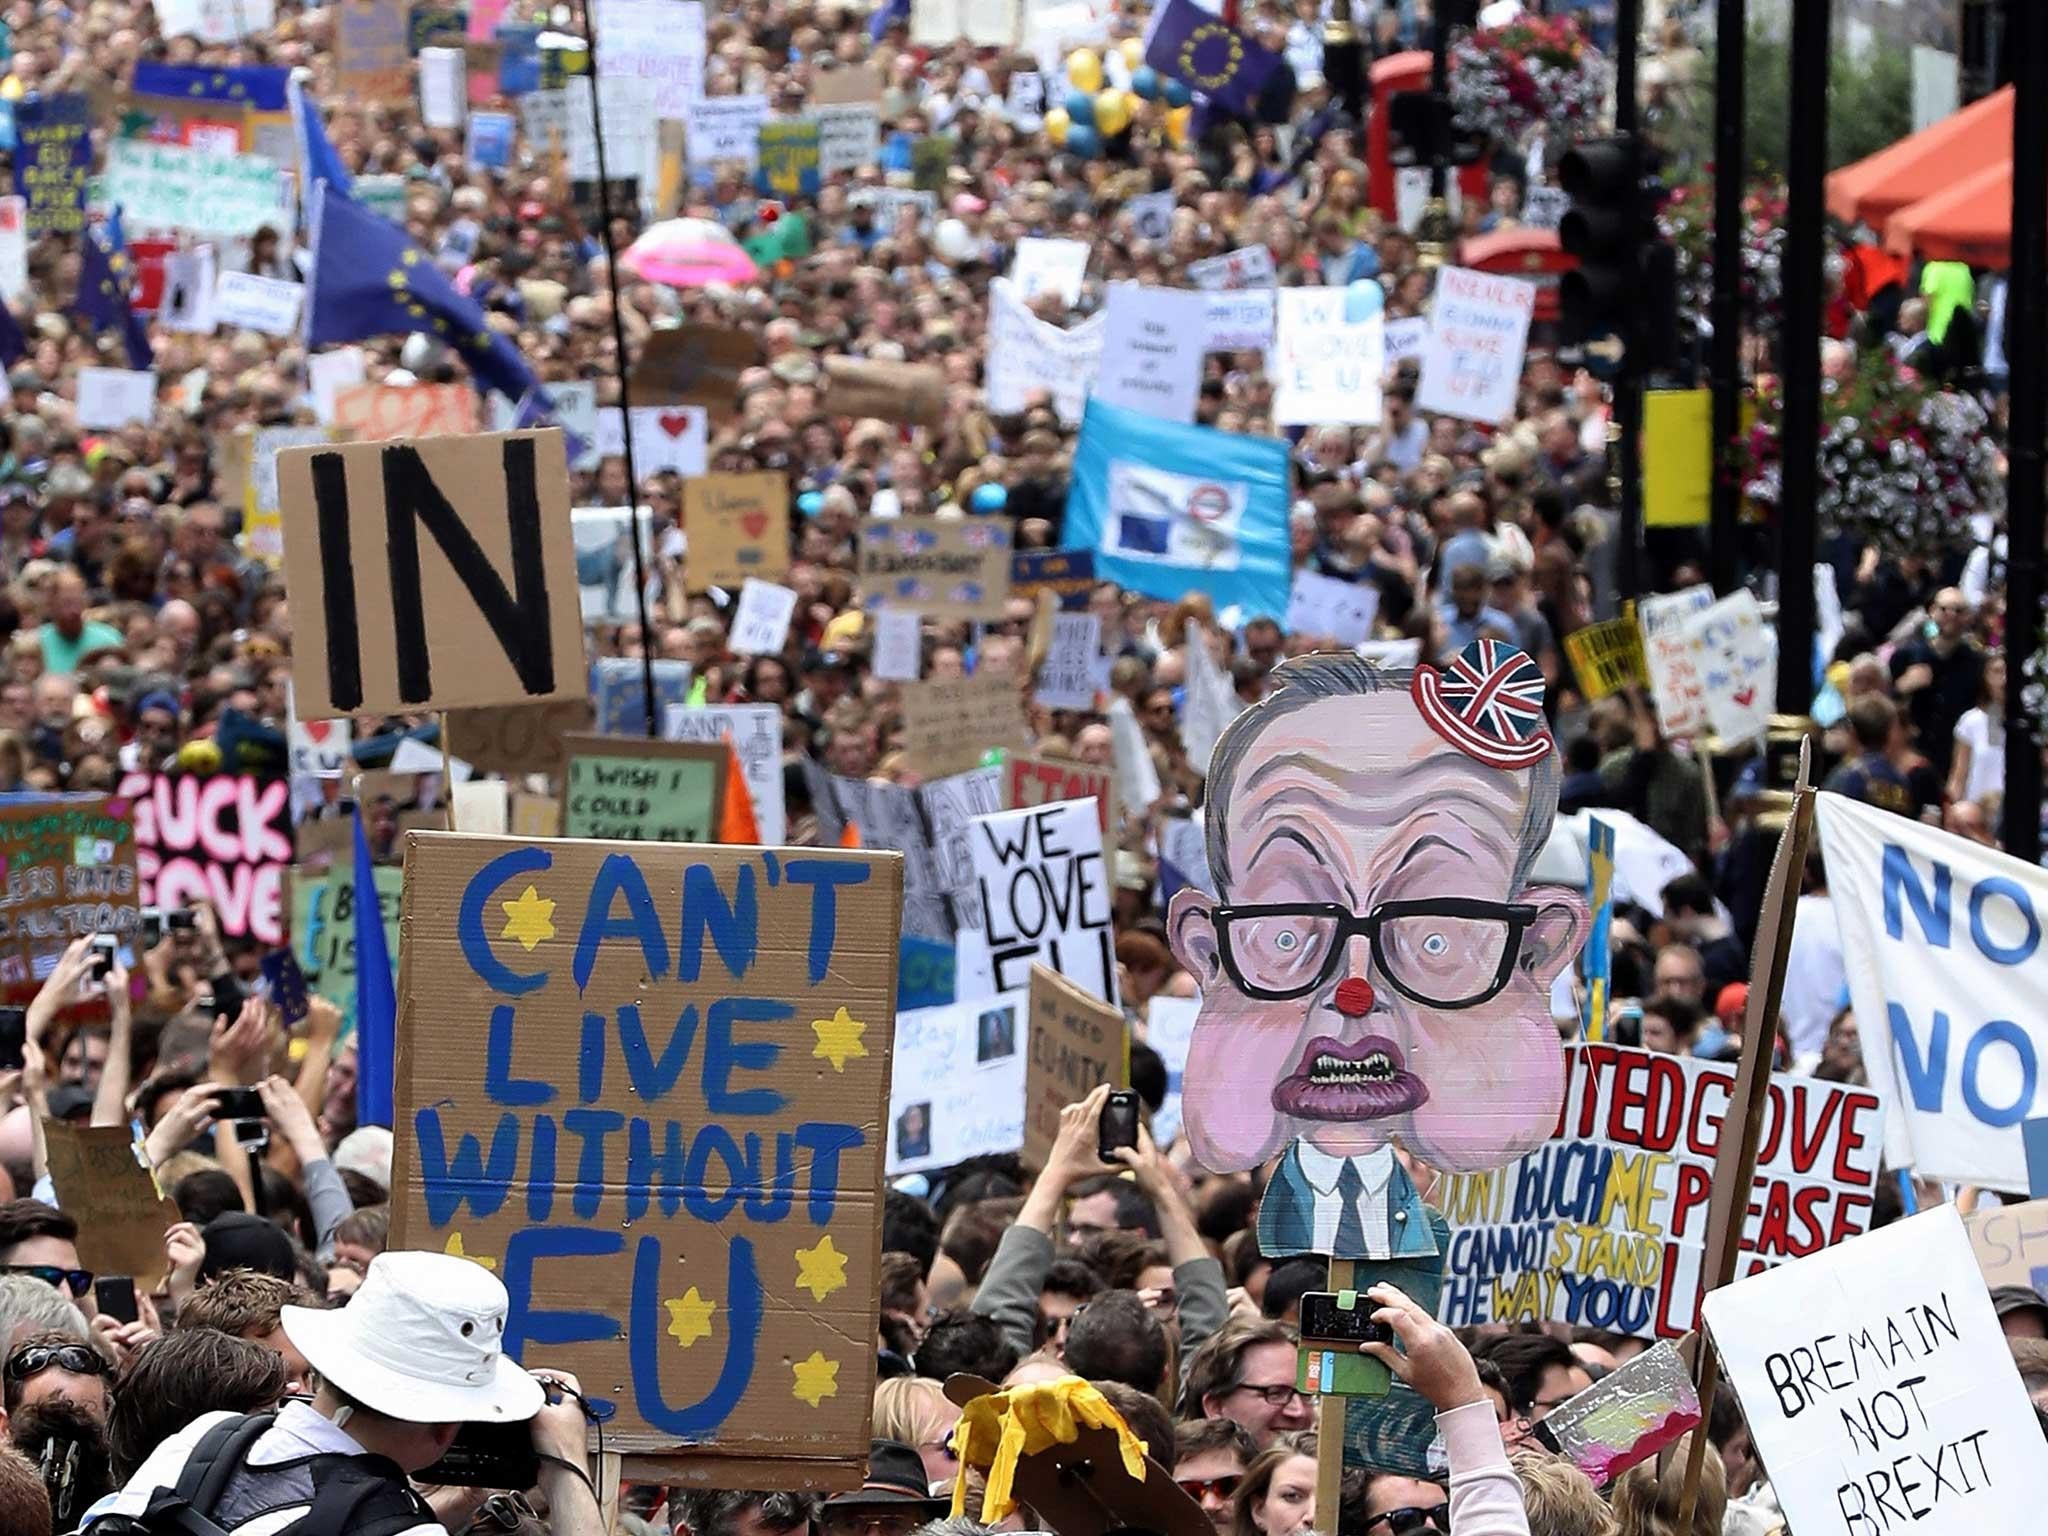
(377, 413)
(97, 1176)
(225, 839)
(848, 83)
(515, 738)
(949, 569)
(951, 724)
(693, 365)
(2011, 1243)
(535, 816)
(69, 869)
(1406, 810)
(913, 394)
(647, 1084)
(622, 787)
(737, 526)
(1075, 1043)
(464, 574)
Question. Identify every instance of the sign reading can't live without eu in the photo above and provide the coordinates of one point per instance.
(645, 1085)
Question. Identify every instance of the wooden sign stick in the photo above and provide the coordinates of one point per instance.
(1735, 1158)
(1330, 1412)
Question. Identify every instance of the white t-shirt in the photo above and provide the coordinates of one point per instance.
(1985, 738)
(1815, 977)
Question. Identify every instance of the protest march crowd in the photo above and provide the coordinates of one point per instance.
(1102, 577)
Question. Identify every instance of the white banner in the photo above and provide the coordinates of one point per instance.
(1044, 894)
(1049, 266)
(1250, 267)
(1027, 354)
(1324, 365)
(658, 41)
(755, 731)
(265, 304)
(1479, 325)
(1736, 658)
(721, 129)
(1152, 350)
(1941, 939)
(13, 247)
(172, 188)
(1239, 320)
(113, 397)
(958, 1084)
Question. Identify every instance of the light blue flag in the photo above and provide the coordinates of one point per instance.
(1170, 509)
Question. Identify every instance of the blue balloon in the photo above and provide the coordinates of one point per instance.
(1363, 300)
(1177, 93)
(1080, 109)
(809, 502)
(1145, 81)
(990, 497)
(1083, 140)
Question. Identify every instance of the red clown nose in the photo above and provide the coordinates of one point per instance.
(1354, 997)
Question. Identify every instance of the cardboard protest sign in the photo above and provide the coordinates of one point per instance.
(372, 61)
(724, 131)
(1250, 267)
(1069, 574)
(1238, 320)
(376, 413)
(317, 749)
(913, 394)
(1074, 667)
(1046, 266)
(1326, 606)
(958, 1086)
(849, 133)
(482, 611)
(790, 153)
(1737, 660)
(515, 738)
(1605, 1225)
(1670, 658)
(1678, 457)
(1045, 897)
(636, 790)
(985, 23)
(1607, 658)
(1479, 324)
(1879, 1389)
(192, 190)
(710, 1269)
(99, 1172)
(898, 646)
(52, 157)
(1027, 355)
(1406, 338)
(1327, 359)
(2011, 1242)
(1074, 1043)
(258, 303)
(693, 365)
(67, 869)
(928, 825)
(114, 397)
(225, 840)
(951, 724)
(1152, 345)
(760, 624)
(1941, 938)
(738, 526)
(324, 930)
(658, 41)
(950, 569)
(618, 693)
(1034, 781)
(754, 732)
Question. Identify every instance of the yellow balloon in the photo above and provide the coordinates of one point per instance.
(1084, 70)
(1177, 124)
(1056, 125)
(1133, 50)
(1112, 116)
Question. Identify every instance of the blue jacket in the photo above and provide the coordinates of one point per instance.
(1287, 1217)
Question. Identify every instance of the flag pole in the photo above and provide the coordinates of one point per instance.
(611, 277)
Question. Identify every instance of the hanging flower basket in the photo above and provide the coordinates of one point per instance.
(1535, 70)
(1687, 221)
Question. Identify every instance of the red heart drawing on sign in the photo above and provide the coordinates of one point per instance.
(674, 422)
(755, 523)
(318, 730)
(1746, 697)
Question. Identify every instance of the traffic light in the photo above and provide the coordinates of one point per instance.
(1419, 121)
(1622, 300)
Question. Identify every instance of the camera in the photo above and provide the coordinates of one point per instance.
(13, 1038)
(1118, 1126)
(243, 1109)
(181, 920)
(1341, 1317)
(104, 946)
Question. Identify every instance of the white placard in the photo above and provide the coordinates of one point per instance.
(1027, 354)
(1152, 350)
(1737, 659)
(1066, 679)
(1238, 320)
(266, 304)
(1880, 1390)
(660, 42)
(849, 135)
(665, 437)
(985, 23)
(1479, 325)
(215, 21)
(328, 374)
(1249, 267)
(114, 397)
(1152, 215)
(189, 280)
(722, 130)
(483, 806)
(1325, 365)
(755, 732)
(1668, 654)
(1545, 207)
(899, 647)
(1941, 942)
(632, 132)
(13, 247)
(1045, 896)
(1323, 605)
(760, 626)
(957, 1089)
(1170, 1030)
(1049, 266)
(443, 87)
(1406, 338)
(319, 749)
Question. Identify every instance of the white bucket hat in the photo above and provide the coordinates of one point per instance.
(422, 1341)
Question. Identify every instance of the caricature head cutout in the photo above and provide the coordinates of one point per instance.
(1377, 966)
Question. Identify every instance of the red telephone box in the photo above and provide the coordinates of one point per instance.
(1390, 76)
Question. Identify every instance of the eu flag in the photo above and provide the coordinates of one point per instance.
(105, 283)
(1216, 61)
(317, 160)
(376, 997)
(258, 87)
(13, 345)
(369, 278)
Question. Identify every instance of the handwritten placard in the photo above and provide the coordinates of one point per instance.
(619, 787)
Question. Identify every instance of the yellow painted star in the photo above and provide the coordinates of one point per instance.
(839, 1038)
(821, 1270)
(529, 919)
(689, 1316)
(816, 1379)
(453, 1249)
(410, 256)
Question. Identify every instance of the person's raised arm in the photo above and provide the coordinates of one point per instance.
(561, 1438)
(1204, 1304)
(110, 1102)
(323, 1028)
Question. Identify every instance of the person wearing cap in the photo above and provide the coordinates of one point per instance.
(416, 1355)
(893, 1500)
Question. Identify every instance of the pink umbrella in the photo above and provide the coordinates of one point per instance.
(689, 253)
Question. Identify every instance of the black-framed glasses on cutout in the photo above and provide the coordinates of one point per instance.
(1427, 950)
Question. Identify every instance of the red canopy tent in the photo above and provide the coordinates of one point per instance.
(1970, 221)
(1923, 164)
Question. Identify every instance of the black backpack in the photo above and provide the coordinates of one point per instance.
(352, 1495)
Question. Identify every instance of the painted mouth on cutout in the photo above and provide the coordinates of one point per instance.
(1364, 1079)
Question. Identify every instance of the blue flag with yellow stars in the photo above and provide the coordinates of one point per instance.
(1218, 62)
(369, 278)
(13, 345)
(106, 278)
(259, 87)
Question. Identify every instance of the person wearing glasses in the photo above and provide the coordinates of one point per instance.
(1209, 1458)
(51, 1365)
(1376, 966)
(41, 1242)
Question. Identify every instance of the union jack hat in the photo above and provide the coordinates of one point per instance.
(1488, 703)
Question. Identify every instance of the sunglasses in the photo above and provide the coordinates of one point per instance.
(1409, 1520)
(1199, 1488)
(76, 1281)
(78, 1359)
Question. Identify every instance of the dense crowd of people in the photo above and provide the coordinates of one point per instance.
(135, 622)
